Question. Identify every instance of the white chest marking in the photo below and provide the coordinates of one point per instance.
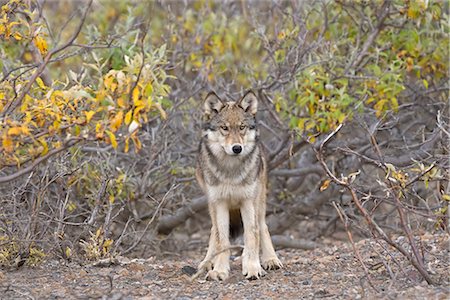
(233, 194)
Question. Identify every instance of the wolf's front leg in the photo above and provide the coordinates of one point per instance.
(269, 258)
(220, 218)
(251, 267)
(207, 263)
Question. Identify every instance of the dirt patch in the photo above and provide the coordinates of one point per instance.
(330, 272)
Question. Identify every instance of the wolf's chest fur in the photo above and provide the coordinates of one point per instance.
(230, 178)
(231, 193)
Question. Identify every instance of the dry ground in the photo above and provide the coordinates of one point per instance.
(331, 272)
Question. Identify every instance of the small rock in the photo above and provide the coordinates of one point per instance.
(306, 282)
(316, 277)
(135, 267)
(124, 273)
(189, 270)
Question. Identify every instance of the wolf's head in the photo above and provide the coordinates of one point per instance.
(231, 126)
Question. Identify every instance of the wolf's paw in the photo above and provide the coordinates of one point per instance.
(254, 271)
(205, 265)
(272, 264)
(216, 275)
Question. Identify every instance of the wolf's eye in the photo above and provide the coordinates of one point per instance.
(242, 127)
(224, 128)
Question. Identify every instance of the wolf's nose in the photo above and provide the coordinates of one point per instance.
(237, 149)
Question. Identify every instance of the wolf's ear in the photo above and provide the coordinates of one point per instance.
(249, 103)
(213, 104)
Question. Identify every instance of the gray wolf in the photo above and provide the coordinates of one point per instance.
(232, 172)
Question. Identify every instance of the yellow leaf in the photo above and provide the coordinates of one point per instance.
(44, 145)
(325, 185)
(99, 131)
(17, 36)
(135, 95)
(56, 95)
(379, 107)
(128, 116)
(7, 144)
(112, 139)
(116, 121)
(40, 83)
(110, 83)
(309, 125)
(278, 106)
(107, 244)
(137, 110)
(10, 25)
(15, 131)
(127, 144)
(89, 115)
(25, 130)
(27, 57)
(56, 124)
(394, 104)
(98, 233)
(137, 142)
(100, 95)
(68, 252)
(312, 109)
(148, 90)
(121, 102)
(57, 144)
(301, 123)
(139, 103)
(409, 64)
(41, 44)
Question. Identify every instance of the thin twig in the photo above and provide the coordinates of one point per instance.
(344, 220)
(71, 142)
(163, 200)
(373, 226)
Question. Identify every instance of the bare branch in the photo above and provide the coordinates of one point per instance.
(69, 143)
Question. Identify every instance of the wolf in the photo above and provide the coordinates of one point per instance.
(232, 172)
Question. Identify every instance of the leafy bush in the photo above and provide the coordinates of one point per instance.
(100, 110)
